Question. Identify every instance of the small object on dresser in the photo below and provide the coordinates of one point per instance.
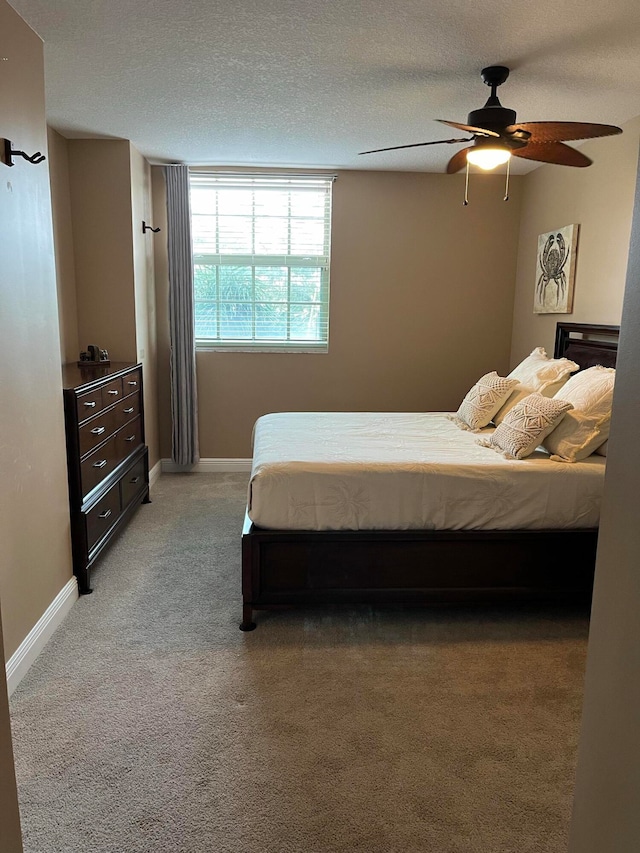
(94, 355)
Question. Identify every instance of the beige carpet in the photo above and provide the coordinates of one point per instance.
(151, 723)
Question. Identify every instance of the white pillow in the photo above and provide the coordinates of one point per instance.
(526, 426)
(586, 427)
(537, 373)
(602, 450)
(483, 401)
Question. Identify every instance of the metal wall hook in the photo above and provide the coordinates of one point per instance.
(146, 228)
(10, 153)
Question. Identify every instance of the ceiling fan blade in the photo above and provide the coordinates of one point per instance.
(469, 128)
(557, 131)
(416, 145)
(458, 161)
(552, 152)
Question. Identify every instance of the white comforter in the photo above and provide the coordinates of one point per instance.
(400, 471)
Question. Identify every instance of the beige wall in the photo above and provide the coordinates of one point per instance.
(101, 193)
(10, 836)
(600, 199)
(421, 305)
(145, 295)
(100, 184)
(606, 816)
(35, 552)
(63, 243)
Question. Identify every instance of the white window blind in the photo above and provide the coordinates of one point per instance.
(261, 249)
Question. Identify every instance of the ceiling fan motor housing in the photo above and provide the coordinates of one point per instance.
(493, 115)
(493, 118)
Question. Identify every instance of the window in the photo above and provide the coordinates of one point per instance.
(261, 260)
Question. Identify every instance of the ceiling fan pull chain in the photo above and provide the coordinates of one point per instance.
(506, 188)
(466, 187)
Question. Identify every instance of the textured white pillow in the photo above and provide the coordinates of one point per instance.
(483, 401)
(538, 373)
(526, 426)
(586, 427)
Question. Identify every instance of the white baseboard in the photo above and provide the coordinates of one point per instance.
(38, 637)
(209, 466)
(155, 472)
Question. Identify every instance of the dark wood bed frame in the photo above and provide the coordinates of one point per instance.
(283, 568)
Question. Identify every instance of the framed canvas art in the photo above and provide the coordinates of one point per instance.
(556, 270)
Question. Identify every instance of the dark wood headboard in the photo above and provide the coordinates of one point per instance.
(587, 344)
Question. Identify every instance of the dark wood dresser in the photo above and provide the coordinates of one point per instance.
(108, 461)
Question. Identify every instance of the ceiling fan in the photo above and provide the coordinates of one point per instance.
(496, 136)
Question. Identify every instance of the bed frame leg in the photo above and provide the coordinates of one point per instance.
(247, 623)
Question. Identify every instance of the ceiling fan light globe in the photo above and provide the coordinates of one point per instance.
(488, 158)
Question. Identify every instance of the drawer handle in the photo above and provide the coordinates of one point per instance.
(131, 438)
(114, 392)
(135, 480)
(90, 405)
(128, 411)
(131, 382)
(100, 464)
(98, 430)
(105, 514)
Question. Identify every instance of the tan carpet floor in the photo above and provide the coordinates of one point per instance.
(151, 723)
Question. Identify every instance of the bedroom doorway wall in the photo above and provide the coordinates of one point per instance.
(35, 542)
(10, 835)
(606, 815)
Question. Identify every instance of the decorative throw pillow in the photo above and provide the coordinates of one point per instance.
(483, 401)
(586, 427)
(538, 373)
(526, 426)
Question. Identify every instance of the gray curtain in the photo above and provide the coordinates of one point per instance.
(184, 397)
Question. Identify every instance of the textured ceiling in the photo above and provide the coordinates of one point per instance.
(308, 83)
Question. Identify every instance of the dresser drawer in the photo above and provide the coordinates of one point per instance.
(96, 431)
(101, 518)
(96, 466)
(128, 439)
(132, 483)
(111, 392)
(131, 382)
(89, 404)
(127, 410)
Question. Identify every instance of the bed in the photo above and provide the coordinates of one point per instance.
(438, 532)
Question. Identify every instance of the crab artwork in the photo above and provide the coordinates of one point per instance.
(556, 267)
(553, 260)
